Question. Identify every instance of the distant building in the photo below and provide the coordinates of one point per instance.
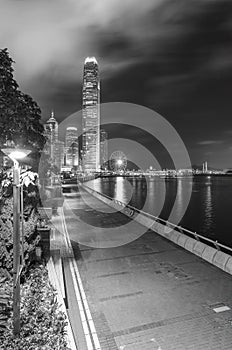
(103, 149)
(91, 116)
(51, 133)
(71, 147)
(58, 154)
(53, 148)
(51, 126)
(205, 167)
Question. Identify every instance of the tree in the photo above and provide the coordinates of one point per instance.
(19, 113)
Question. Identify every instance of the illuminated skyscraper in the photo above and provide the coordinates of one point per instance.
(58, 154)
(91, 116)
(103, 149)
(71, 146)
(54, 148)
(51, 128)
(51, 133)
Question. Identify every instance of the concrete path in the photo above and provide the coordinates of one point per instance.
(148, 294)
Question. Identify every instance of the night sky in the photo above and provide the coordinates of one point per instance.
(173, 56)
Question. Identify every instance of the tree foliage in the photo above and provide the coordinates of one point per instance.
(19, 113)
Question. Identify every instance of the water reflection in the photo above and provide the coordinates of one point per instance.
(179, 197)
(156, 196)
(208, 213)
(151, 194)
(123, 190)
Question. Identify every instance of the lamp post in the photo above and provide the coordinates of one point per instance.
(15, 155)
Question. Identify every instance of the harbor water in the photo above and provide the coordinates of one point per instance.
(208, 212)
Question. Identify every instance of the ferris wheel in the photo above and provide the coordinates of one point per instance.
(118, 161)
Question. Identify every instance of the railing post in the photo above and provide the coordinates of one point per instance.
(196, 236)
(216, 245)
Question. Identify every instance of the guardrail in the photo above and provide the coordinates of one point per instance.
(197, 236)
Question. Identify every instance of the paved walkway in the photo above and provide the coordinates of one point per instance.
(149, 294)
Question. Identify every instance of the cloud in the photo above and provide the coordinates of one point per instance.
(55, 36)
(59, 35)
(210, 142)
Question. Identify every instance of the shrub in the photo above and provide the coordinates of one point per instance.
(5, 301)
(31, 239)
(42, 322)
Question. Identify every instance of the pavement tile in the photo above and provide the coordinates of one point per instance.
(152, 294)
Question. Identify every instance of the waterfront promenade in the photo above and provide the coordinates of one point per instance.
(149, 294)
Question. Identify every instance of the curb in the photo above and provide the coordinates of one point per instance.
(56, 284)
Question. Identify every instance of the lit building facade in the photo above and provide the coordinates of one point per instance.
(103, 149)
(53, 148)
(91, 116)
(58, 154)
(71, 147)
(51, 133)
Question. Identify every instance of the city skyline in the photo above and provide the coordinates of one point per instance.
(93, 141)
(174, 59)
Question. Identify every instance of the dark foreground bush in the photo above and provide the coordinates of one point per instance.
(31, 239)
(42, 322)
(6, 296)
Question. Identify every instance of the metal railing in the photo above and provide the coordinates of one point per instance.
(197, 236)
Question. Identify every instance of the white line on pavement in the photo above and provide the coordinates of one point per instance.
(86, 317)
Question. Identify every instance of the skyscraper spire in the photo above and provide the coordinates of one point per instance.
(52, 124)
(91, 59)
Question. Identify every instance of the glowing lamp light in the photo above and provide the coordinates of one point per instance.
(16, 154)
(119, 162)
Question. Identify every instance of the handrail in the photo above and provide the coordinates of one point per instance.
(166, 222)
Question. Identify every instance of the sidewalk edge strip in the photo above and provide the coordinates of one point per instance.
(85, 314)
(54, 281)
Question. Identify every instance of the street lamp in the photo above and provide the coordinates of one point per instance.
(15, 155)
